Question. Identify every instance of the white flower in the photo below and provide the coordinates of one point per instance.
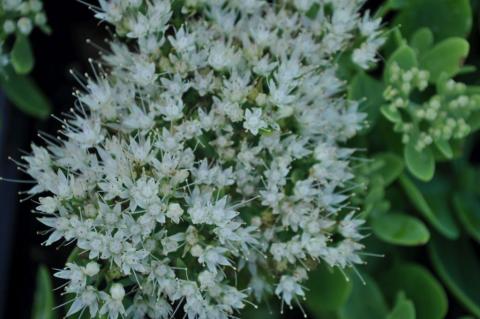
(288, 289)
(174, 212)
(213, 257)
(253, 121)
(167, 174)
(144, 192)
(87, 298)
(91, 269)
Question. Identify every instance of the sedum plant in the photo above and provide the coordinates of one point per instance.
(421, 195)
(18, 18)
(204, 165)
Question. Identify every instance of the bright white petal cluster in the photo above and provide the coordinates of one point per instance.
(209, 151)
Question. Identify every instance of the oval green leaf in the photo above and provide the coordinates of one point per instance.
(420, 164)
(391, 168)
(26, 95)
(446, 57)
(365, 302)
(404, 57)
(400, 229)
(391, 113)
(422, 40)
(446, 18)
(433, 207)
(467, 206)
(445, 148)
(420, 286)
(328, 290)
(21, 55)
(457, 265)
(404, 308)
(43, 301)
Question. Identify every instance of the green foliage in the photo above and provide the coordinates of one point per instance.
(365, 302)
(457, 263)
(419, 286)
(25, 94)
(331, 287)
(420, 192)
(420, 163)
(400, 229)
(18, 60)
(43, 303)
(467, 206)
(404, 308)
(446, 18)
(445, 58)
(21, 55)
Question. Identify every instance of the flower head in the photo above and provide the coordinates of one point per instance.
(212, 145)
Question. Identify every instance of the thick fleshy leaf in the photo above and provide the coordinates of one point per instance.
(43, 301)
(368, 91)
(365, 302)
(25, 94)
(467, 206)
(391, 167)
(404, 308)
(446, 18)
(391, 113)
(420, 286)
(433, 207)
(420, 163)
(458, 265)
(400, 229)
(446, 57)
(328, 290)
(445, 148)
(404, 57)
(21, 55)
(422, 40)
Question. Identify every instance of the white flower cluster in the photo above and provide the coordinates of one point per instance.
(19, 16)
(209, 151)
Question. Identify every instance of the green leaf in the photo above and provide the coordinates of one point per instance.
(400, 229)
(369, 91)
(391, 113)
(467, 206)
(25, 94)
(446, 57)
(419, 286)
(446, 18)
(328, 290)
(458, 266)
(404, 308)
(391, 168)
(422, 40)
(404, 57)
(439, 217)
(43, 301)
(420, 164)
(390, 5)
(444, 148)
(21, 55)
(365, 302)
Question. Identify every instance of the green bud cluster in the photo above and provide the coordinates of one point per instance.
(442, 117)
